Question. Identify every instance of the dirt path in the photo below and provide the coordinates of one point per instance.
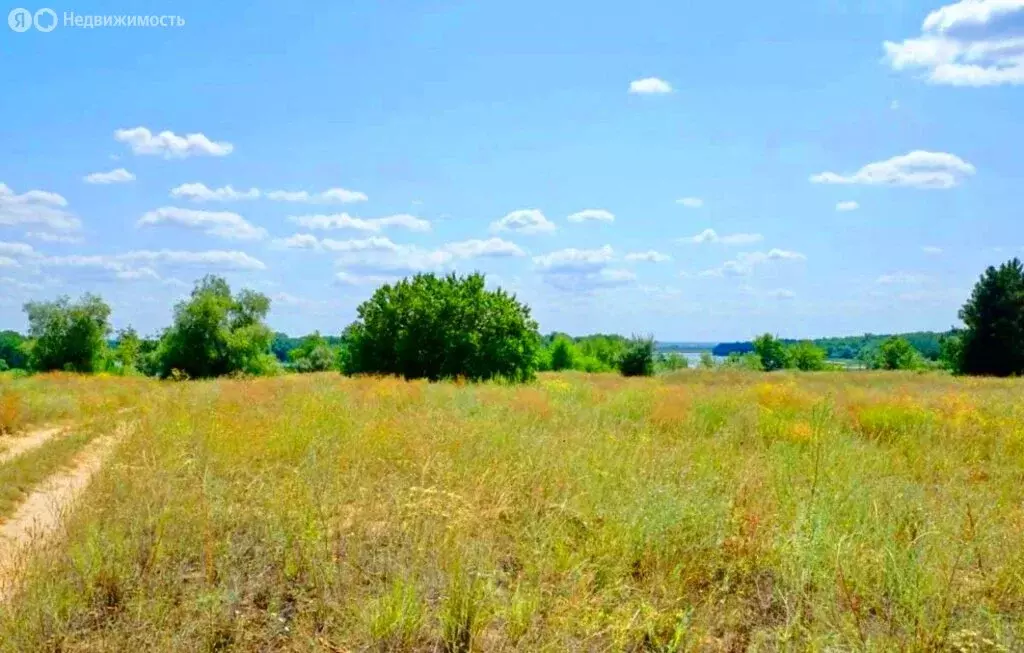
(39, 517)
(22, 443)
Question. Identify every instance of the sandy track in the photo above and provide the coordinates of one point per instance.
(22, 443)
(40, 516)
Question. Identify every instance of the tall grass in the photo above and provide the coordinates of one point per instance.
(701, 510)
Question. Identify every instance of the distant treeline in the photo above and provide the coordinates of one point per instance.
(927, 343)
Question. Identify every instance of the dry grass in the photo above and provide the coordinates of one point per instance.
(711, 511)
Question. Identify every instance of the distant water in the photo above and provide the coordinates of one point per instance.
(694, 357)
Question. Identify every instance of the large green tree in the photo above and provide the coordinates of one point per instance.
(438, 327)
(772, 352)
(215, 333)
(896, 353)
(992, 341)
(68, 336)
(12, 350)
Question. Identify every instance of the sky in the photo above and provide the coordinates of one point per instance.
(693, 171)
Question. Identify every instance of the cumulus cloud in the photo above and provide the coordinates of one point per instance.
(47, 237)
(592, 215)
(780, 293)
(329, 196)
(931, 249)
(575, 259)
(118, 176)
(346, 221)
(711, 236)
(847, 206)
(476, 248)
(35, 207)
(198, 192)
(691, 202)
(650, 256)
(968, 43)
(353, 279)
(139, 265)
(902, 279)
(170, 145)
(649, 86)
(214, 223)
(918, 169)
(746, 262)
(524, 221)
(20, 250)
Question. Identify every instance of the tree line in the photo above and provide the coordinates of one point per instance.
(437, 327)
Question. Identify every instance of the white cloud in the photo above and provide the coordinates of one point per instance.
(7, 261)
(47, 237)
(21, 250)
(594, 215)
(931, 249)
(118, 176)
(745, 262)
(309, 241)
(780, 293)
(711, 236)
(691, 202)
(345, 221)
(650, 256)
(215, 223)
(524, 221)
(968, 43)
(353, 279)
(847, 206)
(170, 145)
(649, 85)
(894, 105)
(22, 285)
(492, 247)
(575, 259)
(138, 265)
(329, 196)
(918, 169)
(198, 192)
(35, 207)
(902, 278)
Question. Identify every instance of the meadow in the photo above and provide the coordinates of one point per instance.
(703, 510)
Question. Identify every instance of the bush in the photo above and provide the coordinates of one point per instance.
(707, 360)
(638, 359)
(772, 352)
(672, 362)
(442, 327)
(563, 354)
(807, 356)
(68, 336)
(896, 354)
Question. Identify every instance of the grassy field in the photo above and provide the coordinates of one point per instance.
(703, 511)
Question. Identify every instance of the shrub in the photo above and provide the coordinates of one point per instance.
(772, 352)
(442, 327)
(563, 354)
(807, 356)
(638, 359)
(896, 354)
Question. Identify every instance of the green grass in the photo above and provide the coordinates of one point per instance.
(698, 511)
(20, 475)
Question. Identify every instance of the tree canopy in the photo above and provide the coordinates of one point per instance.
(442, 327)
(68, 336)
(216, 333)
(992, 341)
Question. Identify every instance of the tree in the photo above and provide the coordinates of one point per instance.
(897, 354)
(68, 336)
(707, 360)
(314, 354)
(128, 353)
(951, 351)
(807, 356)
(772, 352)
(563, 354)
(12, 350)
(442, 327)
(638, 359)
(992, 341)
(214, 333)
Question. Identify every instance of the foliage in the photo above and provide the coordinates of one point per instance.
(313, 354)
(68, 336)
(127, 353)
(707, 360)
(896, 354)
(563, 354)
(749, 361)
(442, 327)
(772, 352)
(215, 333)
(12, 350)
(863, 348)
(992, 341)
(951, 352)
(807, 356)
(671, 362)
(638, 359)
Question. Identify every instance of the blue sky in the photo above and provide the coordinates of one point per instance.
(699, 171)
